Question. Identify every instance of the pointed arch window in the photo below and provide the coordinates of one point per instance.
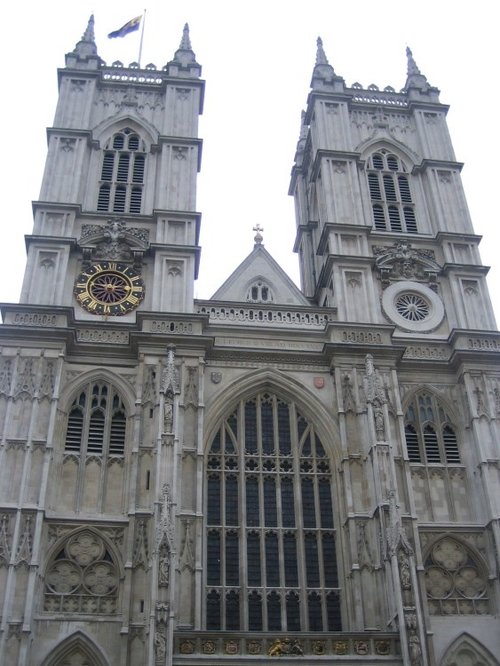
(390, 194)
(430, 435)
(260, 292)
(96, 422)
(271, 554)
(122, 174)
(93, 464)
(439, 479)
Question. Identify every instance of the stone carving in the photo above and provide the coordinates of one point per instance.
(114, 241)
(187, 647)
(162, 612)
(25, 381)
(401, 262)
(496, 396)
(361, 647)
(47, 379)
(187, 551)
(164, 532)
(191, 387)
(4, 539)
(159, 326)
(140, 557)
(104, 336)
(15, 630)
(404, 570)
(341, 647)
(365, 559)
(415, 650)
(288, 646)
(254, 647)
(349, 401)
(318, 647)
(5, 376)
(395, 532)
(480, 405)
(164, 566)
(427, 352)
(149, 392)
(82, 577)
(382, 647)
(25, 546)
(67, 145)
(216, 377)
(169, 387)
(160, 647)
(164, 537)
(376, 396)
(208, 647)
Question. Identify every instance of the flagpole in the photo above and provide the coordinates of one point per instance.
(142, 37)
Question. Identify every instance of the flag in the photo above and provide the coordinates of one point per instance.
(131, 26)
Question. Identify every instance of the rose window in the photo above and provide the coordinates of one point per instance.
(412, 307)
(82, 577)
(455, 582)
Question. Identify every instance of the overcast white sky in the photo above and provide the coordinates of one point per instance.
(257, 59)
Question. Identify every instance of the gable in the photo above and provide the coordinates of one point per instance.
(260, 279)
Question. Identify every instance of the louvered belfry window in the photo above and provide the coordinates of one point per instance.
(270, 536)
(122, 174)
(96, 422)
(430, 435)
(390, 194)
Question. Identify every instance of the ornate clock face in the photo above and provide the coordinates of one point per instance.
(109, 288)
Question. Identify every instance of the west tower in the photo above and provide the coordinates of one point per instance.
(273, 473)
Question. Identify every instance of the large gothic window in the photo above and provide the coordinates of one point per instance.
(122, 174)
(271, 555)
(390, 194)
(438, 476)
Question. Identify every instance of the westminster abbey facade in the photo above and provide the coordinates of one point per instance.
(274, 475)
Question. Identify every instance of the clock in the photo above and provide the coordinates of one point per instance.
(109, 288)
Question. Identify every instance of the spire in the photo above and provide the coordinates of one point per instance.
(184, 62)
(85, 52)
(412, 65)
(185, 44)
(86, 46)
(321, 58)
(323, 74)
(414, 77)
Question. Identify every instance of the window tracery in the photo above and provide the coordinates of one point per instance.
(93, 473)
(96, 422)
(430, 435)
(82, 577)
(439, 479)
(390, 193)
(122, 174)
(259, 292)
(455, 582)
(269, 506)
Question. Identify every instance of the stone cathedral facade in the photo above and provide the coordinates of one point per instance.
(273, 475)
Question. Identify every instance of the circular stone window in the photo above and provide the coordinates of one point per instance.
(412, 306)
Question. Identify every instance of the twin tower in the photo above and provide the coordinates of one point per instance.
(274, 474)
